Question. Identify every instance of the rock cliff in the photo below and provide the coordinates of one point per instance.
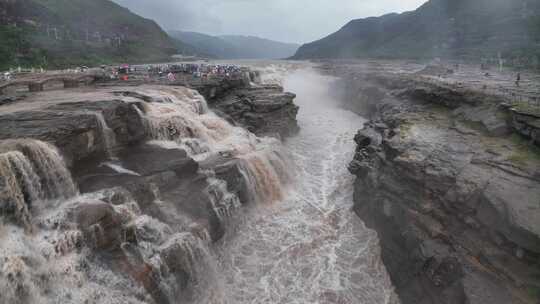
(116, 193)
(264, 110)
(451, 183)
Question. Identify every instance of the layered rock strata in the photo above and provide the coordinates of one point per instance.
(263, 109)
(116, 194)
(451, 183)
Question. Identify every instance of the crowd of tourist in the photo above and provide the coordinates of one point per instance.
(196, 70)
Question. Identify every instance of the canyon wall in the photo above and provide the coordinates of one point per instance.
(450, 180)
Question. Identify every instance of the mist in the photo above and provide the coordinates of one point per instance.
(282, 20)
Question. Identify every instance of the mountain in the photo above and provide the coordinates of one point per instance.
(214, 46)
(439, 28)
(259, 48)
(237, 47)
(57, 33)
(186, 49)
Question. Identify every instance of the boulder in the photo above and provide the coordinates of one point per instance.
(263, 110)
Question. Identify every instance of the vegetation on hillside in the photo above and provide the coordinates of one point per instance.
(63, 33)
(469, 30)
(16, 49)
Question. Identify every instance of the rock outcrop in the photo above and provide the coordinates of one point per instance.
(76, 125)
(453, 195)
(117, 193)
(262, 109)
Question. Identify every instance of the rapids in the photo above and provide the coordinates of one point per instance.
(309, 247)
(297, 242)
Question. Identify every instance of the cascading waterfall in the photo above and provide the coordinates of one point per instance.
(49, 165)
(181, 115)
(191, 254)
(309, 248)
(32, 171)
(21, 185)
(55, 264)
(223, 202)
(263, 179)
(34, 176)
(179, 118)
(107, 134)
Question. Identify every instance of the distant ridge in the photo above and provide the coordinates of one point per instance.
(58, 33)
(236, 47)
(440, 28)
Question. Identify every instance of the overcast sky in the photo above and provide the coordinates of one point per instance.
(284, 20)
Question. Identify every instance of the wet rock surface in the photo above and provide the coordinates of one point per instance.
(73, 126)
(262, 109)
(451, 188)
(130, 215)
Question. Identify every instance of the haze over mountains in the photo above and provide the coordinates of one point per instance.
(63, 33)
(58, 33)
(55, 33)
(236, 47)
(439, 28)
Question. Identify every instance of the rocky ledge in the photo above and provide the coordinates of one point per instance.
(263, 109)
(451, 183)
(115, 193)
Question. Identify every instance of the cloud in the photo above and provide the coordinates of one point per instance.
(285, 20)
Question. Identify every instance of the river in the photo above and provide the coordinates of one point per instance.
(299, 241)
(310, 247)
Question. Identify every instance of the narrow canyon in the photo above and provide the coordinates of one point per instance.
(330, 182)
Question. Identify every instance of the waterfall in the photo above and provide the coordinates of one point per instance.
(223, 202)
(186, 253)
(261, 176)
(181, 115)
(21, 185)
(107, 134)
(31, 171)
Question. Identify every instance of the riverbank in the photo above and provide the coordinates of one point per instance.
(448, 177)
(309, 247)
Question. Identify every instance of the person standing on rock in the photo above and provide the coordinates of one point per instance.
(518, 79)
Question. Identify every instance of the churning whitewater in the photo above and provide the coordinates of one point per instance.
(310, 247)
(299, 242)
(57, 264)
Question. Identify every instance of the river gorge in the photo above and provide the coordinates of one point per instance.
(364, 184)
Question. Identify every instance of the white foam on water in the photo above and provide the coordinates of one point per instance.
(307, 247)
(178, 118)
(51, 264)
(33, 171)
(49, 267)
(23, 186)
(310, 247)
(223, 202)
(118, 168)
(107, 134)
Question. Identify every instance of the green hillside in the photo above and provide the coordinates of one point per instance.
(467, 29)
(59, 33)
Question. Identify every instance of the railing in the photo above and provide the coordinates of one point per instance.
(525, 103)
